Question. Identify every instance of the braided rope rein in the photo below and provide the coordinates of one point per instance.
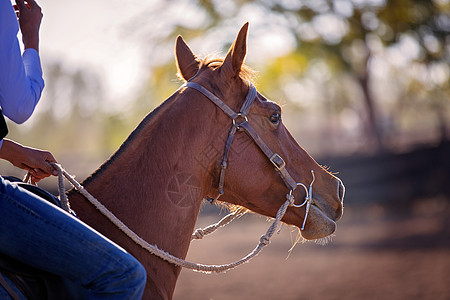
(200, 233)
(153, 249)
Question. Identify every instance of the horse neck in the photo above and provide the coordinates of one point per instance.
(153, 184)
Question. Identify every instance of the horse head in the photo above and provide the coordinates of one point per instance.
(263, 162)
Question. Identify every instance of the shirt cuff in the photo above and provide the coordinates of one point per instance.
(32, 64)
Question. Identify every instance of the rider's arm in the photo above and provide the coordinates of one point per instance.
(21, 81)
(33, 160)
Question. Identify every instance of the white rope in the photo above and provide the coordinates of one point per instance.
(62, 193)
(153, 249)
(200, 233)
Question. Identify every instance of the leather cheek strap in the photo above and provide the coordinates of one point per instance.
(277, 161)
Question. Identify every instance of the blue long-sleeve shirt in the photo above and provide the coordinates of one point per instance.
(21, 81)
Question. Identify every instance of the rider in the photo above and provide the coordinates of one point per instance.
(32, 230)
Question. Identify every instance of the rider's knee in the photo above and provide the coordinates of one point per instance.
(138, 274)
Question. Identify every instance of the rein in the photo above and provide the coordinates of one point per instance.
(274, 158)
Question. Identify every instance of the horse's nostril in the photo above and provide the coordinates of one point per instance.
(341, 190)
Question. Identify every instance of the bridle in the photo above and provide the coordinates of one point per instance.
(240, 122)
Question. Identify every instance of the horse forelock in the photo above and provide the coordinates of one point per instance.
(214, 62)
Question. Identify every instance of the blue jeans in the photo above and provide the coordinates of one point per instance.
(44, 236)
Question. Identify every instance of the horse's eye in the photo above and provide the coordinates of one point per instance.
(275, 118)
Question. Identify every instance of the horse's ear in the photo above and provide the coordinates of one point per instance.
(236, 55)
(187, 62)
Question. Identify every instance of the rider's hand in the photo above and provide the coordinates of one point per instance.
(30, 16)
(35, 161)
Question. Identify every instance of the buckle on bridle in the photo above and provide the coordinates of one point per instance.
(277, 161)
(240, 116)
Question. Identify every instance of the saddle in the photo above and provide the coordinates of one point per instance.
(33, 283)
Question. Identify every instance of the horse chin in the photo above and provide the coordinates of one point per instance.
(318, 225)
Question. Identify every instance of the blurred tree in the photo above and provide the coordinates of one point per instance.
(68, 114)
(349, 36)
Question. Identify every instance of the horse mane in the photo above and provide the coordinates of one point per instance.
(128, 140)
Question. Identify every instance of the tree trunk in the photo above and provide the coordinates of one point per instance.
(372, 127)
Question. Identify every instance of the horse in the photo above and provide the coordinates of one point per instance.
(156, 181)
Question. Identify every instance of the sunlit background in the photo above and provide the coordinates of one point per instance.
(364, 86)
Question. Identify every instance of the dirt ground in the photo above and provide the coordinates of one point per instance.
(374, 255)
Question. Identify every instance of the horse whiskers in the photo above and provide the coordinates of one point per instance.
(325, 240)
(298, 239)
